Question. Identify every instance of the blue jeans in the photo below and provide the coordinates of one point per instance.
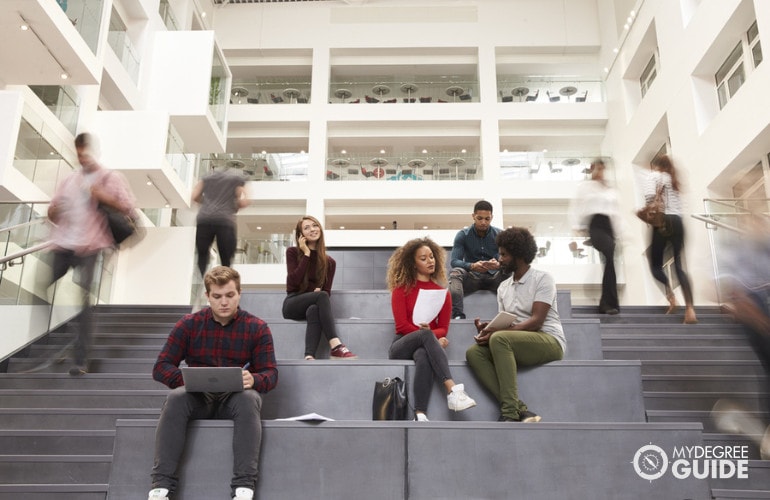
(244, 408)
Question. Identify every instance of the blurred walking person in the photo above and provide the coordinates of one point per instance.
(663, 174)
(594, 212)
(81, 231)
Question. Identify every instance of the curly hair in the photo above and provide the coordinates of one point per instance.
(518, 242)
(402, 270)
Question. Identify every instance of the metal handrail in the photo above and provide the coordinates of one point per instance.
(712, 222)
(23, 224)
(6, 260)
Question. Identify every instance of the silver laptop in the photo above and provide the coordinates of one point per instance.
(212, 379)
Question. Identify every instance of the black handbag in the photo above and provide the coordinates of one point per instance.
(389, 401)
(121, 225)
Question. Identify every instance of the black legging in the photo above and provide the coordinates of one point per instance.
(316, 309)
(603, 240)
(226, 242)
(658, 246)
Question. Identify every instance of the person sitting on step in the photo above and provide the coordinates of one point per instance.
(309, 278)
(536, 337)
(220, 335)
(419, 266)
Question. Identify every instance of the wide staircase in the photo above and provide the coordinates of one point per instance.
(628, 381)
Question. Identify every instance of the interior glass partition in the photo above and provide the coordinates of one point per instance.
(36, 157)
(265, 167)
(121, 44)
(86, 16)
(61, 101)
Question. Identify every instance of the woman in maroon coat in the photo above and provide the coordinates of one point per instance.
(310, 273)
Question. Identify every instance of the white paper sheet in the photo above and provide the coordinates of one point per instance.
(308, 417)
(428, 305)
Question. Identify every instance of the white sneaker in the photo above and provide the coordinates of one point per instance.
(158, 494)
(458, 400)
(243, 494)
(420, 417)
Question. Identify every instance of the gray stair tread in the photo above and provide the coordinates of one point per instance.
(719, 493)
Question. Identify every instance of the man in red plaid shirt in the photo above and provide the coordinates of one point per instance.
(222, 335)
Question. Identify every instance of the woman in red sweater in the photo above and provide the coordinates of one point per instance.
(420, 265)
(310, 273)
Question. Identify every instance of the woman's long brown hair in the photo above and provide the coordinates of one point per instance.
(320, 249)
(664, 164)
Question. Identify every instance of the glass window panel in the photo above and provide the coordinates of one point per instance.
(736, 80)
(753, 32)
(726, 68)
(756, 54)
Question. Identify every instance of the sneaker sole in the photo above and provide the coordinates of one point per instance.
(532, 420)
(344, 357)
(463, 407)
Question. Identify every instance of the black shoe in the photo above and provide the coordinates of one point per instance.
(458, 316)
(78, 370)
(527, 416)
(611, 310)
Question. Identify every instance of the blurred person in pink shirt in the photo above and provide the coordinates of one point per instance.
(81, 231)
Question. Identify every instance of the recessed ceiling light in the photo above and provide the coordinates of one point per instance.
(64, 76)
(149, 183)
(259, 228)
(342, 227)
(425, 227)
(343, 152)
(264, 152)
(615, 50)
(382, 151)
(203, 14)
(24, 27)
(464, 151)
(168, 205)
(424, 151)
(382, 227)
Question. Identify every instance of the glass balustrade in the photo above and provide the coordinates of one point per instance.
(85, 16)
(183, 163)
(288, 91)
(36, 157)
(167, 14)
(515, 88)
(124, 49)
(62, 102)
(219, 82)
(380, 167)
(431, 89)
(268, 250)
(261, 167)
(544, 166)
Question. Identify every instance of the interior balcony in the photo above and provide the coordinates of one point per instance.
(42, 44)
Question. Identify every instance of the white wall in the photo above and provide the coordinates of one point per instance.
(157, 270)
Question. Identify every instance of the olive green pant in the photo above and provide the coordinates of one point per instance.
(496, 364)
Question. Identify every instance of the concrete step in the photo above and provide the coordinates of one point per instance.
(697, 329)
(648, 311)
(81, 398)
(96, 365)
(723, 494)
(65, 491)
(703, 401)
(406, 454)
(702, 367)
(698, 383)
(628, 316)
(598, 391)
(702, 417)
(375, 304)
(727, 440)
(758, 478)
(369, 339)
(46, 469)
(132, 381)
(57, 442)
(69, 418)
(646, 339)
(680, 353)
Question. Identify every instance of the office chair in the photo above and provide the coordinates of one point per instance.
(533, 97)
(553, 98)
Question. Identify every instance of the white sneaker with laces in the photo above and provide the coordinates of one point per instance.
(243, 494)
(421, 417)
(158, 494)
(458, 399)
